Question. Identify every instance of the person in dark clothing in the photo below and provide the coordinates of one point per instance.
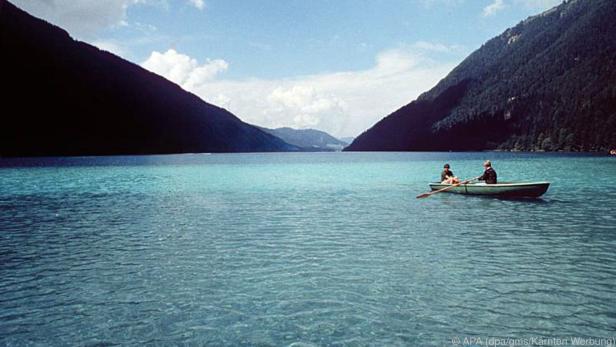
(447, 176)
(489, 175)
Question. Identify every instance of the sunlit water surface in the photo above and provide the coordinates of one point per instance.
(302, 249)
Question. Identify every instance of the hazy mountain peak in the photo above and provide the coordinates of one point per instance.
(308, 139)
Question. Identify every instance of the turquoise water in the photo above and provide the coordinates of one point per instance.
(302, 249)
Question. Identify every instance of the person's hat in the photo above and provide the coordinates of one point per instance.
(446, 166)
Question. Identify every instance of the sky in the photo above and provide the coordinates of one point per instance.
(333, 65)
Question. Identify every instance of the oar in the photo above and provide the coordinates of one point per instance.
(425, 195)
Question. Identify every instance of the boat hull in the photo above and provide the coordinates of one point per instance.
(520, 190)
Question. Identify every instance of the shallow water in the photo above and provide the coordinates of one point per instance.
(308, 248)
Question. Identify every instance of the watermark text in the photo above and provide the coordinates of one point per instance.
(486, 341)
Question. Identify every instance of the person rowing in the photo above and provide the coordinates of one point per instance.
(447, 176)
(489, 175)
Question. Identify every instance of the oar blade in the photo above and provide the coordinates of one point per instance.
(424, 195)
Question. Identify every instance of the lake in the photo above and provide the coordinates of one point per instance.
(302, 249)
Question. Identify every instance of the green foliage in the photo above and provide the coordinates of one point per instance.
(556, 80)
(547, 84)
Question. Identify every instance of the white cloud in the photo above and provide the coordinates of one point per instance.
(436, 47)
(306, 105)
(494, 7)
(109, 46)
(200, 4)
(341, 103)
(82, 18)
(182, 69)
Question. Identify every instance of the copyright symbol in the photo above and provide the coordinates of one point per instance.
(455, 340)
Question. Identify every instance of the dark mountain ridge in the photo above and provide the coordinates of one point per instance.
(65, 97)
(549, 83)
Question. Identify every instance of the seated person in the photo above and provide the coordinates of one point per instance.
(489, 175)
(447, 176)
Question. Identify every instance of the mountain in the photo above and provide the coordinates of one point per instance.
(64, 97)
(308, 139)
(347, 139)
(549, 83)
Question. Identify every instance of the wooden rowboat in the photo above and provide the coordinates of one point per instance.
(504, 189)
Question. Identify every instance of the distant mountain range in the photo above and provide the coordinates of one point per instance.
(549, 83)
(348, 139)
(308, 139)
(64, 97)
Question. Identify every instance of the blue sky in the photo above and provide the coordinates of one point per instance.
(338, 66)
